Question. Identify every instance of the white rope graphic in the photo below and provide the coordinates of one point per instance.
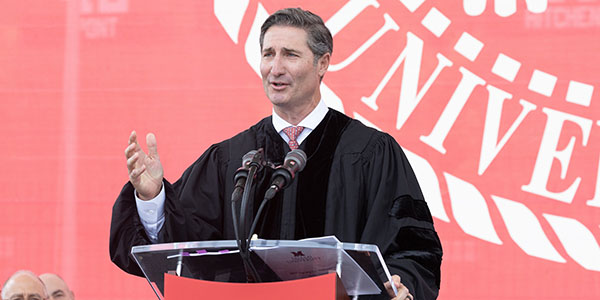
(503, 8)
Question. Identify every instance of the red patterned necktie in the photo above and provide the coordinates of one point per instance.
(293, 132)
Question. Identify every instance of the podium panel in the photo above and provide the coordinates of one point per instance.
(359, 266)
(323, 287)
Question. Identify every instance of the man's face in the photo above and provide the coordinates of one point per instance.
(290, 77)
(24, 287)
(57, 288)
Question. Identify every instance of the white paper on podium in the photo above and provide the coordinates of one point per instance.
(295, 263)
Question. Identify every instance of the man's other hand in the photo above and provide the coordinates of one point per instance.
(403, 292)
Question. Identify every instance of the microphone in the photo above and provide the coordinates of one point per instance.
(252, 163)
(294, 162)
(252, 158)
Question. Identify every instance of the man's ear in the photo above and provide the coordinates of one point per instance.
(323, 63)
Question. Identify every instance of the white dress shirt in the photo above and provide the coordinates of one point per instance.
(309, 123)
(152, 212)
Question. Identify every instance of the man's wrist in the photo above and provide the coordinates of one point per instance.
(146, 198)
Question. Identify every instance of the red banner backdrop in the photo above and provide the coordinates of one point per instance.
(495, 103)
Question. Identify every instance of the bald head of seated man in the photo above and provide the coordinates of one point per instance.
(57, 288)
(24, 285)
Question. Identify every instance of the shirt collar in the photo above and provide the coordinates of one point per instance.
(311, 121)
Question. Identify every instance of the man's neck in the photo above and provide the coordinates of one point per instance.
(295, 114)
(310, 122)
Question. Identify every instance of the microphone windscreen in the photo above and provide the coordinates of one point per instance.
(247, 158)
(298, 157)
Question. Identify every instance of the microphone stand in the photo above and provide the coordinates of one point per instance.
(270, 194)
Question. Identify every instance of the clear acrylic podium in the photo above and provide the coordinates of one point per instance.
(360, 267)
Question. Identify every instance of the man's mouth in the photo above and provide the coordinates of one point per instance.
(278, 85)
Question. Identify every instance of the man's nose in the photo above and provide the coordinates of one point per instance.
(277, 65)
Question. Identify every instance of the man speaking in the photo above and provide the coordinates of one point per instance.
(357, 183)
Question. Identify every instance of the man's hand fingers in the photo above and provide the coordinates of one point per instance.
(151, 143)
(132, 161)
(135, 174)
(133, 137)
(397, 280)
(131, 150)
(403, 292)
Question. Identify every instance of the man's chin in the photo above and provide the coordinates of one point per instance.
(278, 100)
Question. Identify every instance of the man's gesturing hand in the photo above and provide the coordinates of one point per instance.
(145, 170)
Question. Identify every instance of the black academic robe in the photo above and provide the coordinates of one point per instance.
(357, 185)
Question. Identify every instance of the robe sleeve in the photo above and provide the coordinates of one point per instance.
(398, 219)
(193, 210)
(126, 231)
